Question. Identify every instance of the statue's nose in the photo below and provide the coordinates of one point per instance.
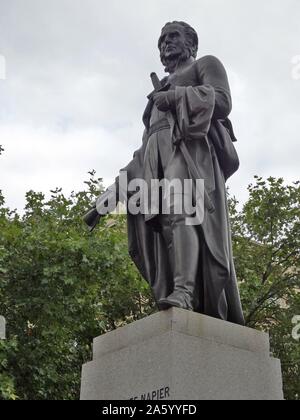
(168, 39)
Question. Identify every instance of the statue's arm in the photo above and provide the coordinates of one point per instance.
(115, 191)
(212, 72)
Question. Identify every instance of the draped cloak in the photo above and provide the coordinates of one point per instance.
(203, 103)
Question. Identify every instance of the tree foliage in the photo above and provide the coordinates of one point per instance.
(266, 237)
(60, 286)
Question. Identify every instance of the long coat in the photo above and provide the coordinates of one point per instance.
(203, 104)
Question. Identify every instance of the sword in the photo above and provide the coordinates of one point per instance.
(186, 154)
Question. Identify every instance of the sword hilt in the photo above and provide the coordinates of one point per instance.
(155, 82)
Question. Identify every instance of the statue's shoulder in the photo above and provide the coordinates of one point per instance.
(210, 66)
(208, 61)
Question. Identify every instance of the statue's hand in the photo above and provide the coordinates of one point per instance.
(108, 201)
(165, 101)
(105, 204)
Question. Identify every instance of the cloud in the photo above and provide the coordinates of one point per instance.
(78, 76)
(41, 160)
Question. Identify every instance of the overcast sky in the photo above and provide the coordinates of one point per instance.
(77, 77)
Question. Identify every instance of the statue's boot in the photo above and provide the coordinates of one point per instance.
(185, 250)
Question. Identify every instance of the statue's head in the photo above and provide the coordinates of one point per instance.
(178, 42)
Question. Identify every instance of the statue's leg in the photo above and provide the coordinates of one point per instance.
(214, 277)
(182, 240)
(183, 245)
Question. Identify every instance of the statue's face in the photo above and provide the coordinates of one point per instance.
(172, 42)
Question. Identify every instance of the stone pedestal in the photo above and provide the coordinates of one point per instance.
(180, 355)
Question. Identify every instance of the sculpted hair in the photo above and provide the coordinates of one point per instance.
(192, 41)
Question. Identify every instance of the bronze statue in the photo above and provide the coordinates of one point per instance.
(188, 136)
